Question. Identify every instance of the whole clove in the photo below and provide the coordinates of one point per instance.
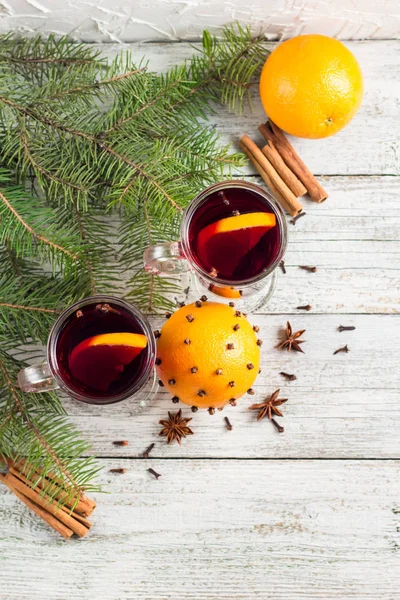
(346, 328)
(304, 307)
(282, 266)
(121, 443)
(344, 349)
(288, 376)
(297, 217)
(228, 424)
(119, 470)
(153, 472)
(279, 427)
(146, 453)
(307, 268)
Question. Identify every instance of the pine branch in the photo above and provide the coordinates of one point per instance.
(84, 140)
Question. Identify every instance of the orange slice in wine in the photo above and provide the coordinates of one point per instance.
(101, 359)
(221, 245)
(225, 292)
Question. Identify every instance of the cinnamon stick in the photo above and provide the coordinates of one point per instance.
(83, 506)
(293, 183)
(25, 480)
(271, 176)
(47, 504)
(273, 133)
(66, 532)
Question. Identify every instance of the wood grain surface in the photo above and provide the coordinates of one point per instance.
(313, 513)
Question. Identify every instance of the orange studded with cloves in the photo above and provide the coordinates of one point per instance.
(203, 354)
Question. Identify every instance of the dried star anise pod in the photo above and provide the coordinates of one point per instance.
(175, 428)
(269, 406)
(292, 341)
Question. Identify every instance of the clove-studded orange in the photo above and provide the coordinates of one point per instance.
(208, 354)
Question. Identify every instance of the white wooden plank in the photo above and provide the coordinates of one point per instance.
(340, 406)
(232, 530)
(167, 20)
(368, 145)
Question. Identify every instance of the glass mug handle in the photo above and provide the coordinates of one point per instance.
(37, 378)
(165, 259)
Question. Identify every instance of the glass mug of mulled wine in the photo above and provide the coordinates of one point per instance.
(233, 236)
(101, 350)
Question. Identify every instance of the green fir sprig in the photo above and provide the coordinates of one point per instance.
(98, 159)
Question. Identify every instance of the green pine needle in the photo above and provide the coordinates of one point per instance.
(98, 159)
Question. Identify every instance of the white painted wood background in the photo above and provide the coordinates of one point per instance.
(253, 514)
(171, 20)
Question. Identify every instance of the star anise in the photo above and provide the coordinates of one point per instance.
(269, 406)
(175, 428)
(292, 341)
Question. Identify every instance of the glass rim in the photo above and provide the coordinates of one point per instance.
(52, 346)
(200, 198)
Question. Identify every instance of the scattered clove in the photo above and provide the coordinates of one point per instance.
(194, 409)
(297, 217)
(344, 349)
(203, 298)
(228, 424)
(282, 266)
(307, 268)
(153, 472)
(346, 328)
(198, 303)
(288, 376)
(121, 443)
(305, 307)
(175, 399)
(146, 453)
(279, 427)
(119, 470)
(211, 410)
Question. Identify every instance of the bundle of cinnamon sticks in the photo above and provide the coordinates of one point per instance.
(282, 168)
(48, 497)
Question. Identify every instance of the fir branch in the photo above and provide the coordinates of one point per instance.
(90, 139)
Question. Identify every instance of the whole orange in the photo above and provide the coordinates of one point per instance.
(311, 86)
(208, 355)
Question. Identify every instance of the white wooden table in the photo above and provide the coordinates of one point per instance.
(251, 513)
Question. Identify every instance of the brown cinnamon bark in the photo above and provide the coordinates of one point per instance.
(271, 176)
(25, 480)
(83, 506)
(46, 503)
(66, 532)
(273, 133)
(281, 167)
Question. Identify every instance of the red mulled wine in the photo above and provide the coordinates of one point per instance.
(88, 363)
(224, 249)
